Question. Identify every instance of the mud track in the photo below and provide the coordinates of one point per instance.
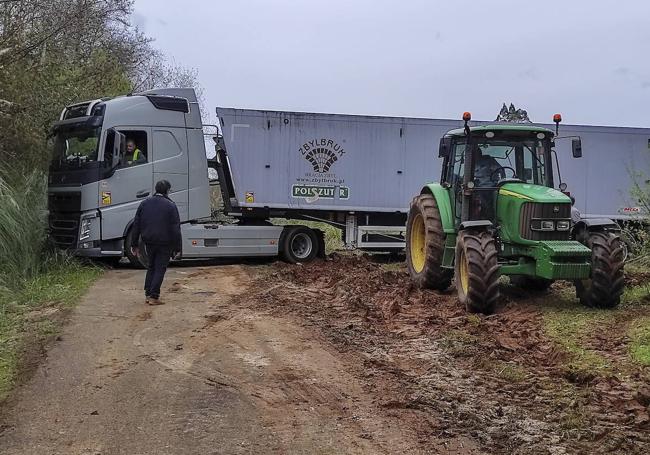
(498, 379)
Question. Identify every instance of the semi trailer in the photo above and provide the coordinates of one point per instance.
(357, 173)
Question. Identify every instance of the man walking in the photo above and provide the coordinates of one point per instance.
(158, 222)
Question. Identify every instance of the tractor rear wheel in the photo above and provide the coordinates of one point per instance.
(529, 283)
(477, 271)
(605, 286)
(425, 244)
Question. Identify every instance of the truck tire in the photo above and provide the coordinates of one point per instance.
(605, 286)
(135, 261)
(477, 271)
(425, 244)
(298, 244)
(531, 284)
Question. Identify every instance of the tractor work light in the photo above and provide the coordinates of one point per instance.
(557, 118)
(467, 116)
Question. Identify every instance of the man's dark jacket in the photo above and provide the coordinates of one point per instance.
(158, 223)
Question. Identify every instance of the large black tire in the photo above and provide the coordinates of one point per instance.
(531, 284)
(477, 271)
(135, 261)
(425, 244)
(299, 244)
(605, 286)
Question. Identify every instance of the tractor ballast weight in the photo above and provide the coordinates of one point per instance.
(478, 223)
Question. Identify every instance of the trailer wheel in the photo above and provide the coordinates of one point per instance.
(135, 261)
(604, 287)
(477, 271)
(425, 244)
(298, 244)
(529, 283)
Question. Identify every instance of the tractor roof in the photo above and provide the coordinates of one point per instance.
(501, 127)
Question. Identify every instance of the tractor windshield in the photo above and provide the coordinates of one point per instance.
(500, 156)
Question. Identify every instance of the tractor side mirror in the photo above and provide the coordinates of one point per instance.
(445, 147)
(576, 148)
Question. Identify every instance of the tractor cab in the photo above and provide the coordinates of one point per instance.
(494, 156)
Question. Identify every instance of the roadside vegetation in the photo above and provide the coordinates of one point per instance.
(54, 53)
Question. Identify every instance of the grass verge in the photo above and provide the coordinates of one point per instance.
(640, 341)
(30, 312)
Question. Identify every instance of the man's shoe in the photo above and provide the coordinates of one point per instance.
(153, 301)
(147, 300)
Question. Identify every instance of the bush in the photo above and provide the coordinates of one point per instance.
(23, 218)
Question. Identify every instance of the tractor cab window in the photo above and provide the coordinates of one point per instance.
(509, 157)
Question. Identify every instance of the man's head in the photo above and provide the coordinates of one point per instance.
(130, 145)
(163, 187)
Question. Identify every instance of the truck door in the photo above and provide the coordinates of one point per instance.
(171, 164)
(121, 194)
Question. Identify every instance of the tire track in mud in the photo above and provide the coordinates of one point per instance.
(497, 379)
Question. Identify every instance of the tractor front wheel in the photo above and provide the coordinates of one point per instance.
(604, 287)
(425, 244)
(477, 271)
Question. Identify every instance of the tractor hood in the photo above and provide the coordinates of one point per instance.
(533, 193)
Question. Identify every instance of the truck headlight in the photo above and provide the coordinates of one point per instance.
(547, 225)
(84, 229)
(564, 225)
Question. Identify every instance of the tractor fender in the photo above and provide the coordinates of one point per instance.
(596, 224)
(441, 194)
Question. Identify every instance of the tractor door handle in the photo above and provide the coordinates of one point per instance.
(141, 194)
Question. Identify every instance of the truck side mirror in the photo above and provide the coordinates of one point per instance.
(445, 147)
(576, 147)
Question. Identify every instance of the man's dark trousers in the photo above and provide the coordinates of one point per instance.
(158, 260)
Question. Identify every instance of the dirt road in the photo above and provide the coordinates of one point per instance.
(341, 356)
(201, 374)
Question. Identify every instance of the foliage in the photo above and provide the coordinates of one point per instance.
(56, 52)
(22, 225)
(512, 114)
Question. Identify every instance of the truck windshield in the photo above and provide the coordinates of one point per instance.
(75, 148)
(500, 158)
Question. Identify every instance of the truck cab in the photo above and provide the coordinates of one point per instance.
(95, 181)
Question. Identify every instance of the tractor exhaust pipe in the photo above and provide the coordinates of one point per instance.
(468, 182)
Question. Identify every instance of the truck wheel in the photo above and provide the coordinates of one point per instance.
(298, 244)
(135, 261)
(477, 271)
(605, 286)
(425, 244)
(530, 283)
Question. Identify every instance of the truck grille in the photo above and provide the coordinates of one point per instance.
(543, 211)
(64, 229)
(64, 201)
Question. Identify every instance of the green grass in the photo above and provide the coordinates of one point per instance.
(640, 341)
(26, 311)
(566, 322)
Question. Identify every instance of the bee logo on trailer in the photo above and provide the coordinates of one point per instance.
(321, 154)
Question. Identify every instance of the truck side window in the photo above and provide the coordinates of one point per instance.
(136, 148)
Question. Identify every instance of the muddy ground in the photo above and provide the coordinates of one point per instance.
(337, 356)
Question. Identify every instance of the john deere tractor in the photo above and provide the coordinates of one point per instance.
(495, 212)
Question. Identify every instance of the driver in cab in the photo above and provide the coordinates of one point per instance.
(487, 171)
(134, 155)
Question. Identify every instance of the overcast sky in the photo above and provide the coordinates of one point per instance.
(588, 59)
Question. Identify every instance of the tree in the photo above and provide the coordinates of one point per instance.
(513, 115)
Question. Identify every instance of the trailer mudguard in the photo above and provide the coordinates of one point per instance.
(444, 205)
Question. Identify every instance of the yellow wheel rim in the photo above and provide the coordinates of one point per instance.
(417, 243)
(464, 273)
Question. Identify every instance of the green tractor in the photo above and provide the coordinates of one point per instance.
(495, 212)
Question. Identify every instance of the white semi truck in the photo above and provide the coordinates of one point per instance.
(354, 172)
